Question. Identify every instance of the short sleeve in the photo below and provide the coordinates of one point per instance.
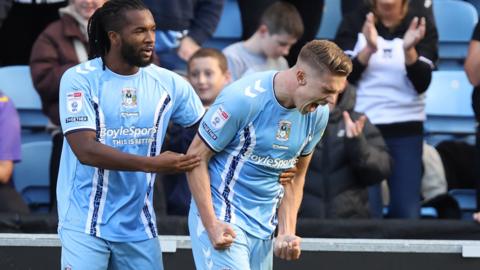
(223, 120)
(318, 129)
(188, 106)
(77, 107)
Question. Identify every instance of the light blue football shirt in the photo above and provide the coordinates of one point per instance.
(131, 114)
(256, 139)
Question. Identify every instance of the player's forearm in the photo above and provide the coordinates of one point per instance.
(288, 210)
(286, 217)
(199, 184)
(98, 155)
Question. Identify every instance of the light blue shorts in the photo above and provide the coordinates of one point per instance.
(82, 251)
(246, 253)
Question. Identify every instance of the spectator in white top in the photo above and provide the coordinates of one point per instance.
(393, 46)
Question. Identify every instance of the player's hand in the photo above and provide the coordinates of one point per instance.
(287, 247)
(221, 235)
(187, 48)
(286, 177)
(415, 33)
(174, 162)
(353, 128)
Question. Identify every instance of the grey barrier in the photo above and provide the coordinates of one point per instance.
(42, 251)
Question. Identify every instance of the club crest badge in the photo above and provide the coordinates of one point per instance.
(129, 98)
(74, 101)
(283, 132)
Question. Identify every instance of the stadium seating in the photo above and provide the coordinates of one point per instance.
(331, 18)
(475, 3)
(467, 201)
(31, 175)
(448, 104)
(455, 22)
(229, 29)
(16, 82)
(425, 212)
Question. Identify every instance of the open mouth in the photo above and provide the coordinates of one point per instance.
(312, 107)
(308, 108)
(147, 52)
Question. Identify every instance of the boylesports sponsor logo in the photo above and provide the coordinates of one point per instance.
(275, 163)
(135, 132)
(128, 136)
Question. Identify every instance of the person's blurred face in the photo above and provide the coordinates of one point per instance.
(277, 45)
(86, 8)
(389, 8)
(207, 78)
(138, 38)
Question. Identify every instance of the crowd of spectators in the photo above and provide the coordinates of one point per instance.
(375, 131)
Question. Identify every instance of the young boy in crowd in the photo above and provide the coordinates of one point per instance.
(280, 27)
(208, 73)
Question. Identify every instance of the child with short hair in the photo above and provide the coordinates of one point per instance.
(207, 71)
(280, 27)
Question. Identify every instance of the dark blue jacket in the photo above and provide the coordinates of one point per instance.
(341, 169)
(199, 17)
(176, 189)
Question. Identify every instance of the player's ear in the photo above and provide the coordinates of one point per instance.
(301, 77)
(114, 38)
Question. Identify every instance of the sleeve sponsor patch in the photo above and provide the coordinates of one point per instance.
(76, 119)
(209, 131)
(219, 118)
(74, 101)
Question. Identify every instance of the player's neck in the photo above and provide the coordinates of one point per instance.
(284, 84)
(115, 63)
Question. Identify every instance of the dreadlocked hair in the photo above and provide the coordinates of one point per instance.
(109, 17)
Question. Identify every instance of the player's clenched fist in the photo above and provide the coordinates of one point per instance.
(287, 247)
(221, 235)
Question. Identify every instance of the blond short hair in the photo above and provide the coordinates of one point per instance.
(325, 55)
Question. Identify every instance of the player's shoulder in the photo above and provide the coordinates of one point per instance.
(253, 88)
(161, 74)
(169, 80)
(84, 71)
(321, 114)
